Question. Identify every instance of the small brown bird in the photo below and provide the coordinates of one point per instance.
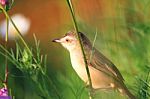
(104, 74)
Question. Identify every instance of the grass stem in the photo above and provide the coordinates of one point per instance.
(18, 32)
(81, 45)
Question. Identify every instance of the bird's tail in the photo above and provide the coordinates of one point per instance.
(124, 90)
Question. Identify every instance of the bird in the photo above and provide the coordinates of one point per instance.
(103, 73)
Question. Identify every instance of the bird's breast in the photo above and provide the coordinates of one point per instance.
(78, 65)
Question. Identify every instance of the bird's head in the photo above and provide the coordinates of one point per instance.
(69, 41)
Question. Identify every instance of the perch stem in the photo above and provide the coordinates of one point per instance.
(81, 45)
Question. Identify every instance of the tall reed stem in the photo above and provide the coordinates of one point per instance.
(81, 44)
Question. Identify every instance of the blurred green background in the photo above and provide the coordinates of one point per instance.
(123, 29)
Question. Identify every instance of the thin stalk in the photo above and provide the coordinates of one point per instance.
(93, 46)
(1, 80)
(81, 45)
(6, 62)
(18, 32)
(7, 27)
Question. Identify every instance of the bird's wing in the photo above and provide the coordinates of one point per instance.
(100, 62)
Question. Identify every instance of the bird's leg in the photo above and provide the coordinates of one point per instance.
(92, 93)
(90, 90)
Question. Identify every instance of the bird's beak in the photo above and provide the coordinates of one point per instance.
(56, 40)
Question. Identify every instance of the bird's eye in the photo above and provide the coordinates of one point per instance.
(67, 40)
